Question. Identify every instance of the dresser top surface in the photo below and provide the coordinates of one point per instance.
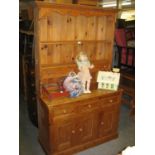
(93, 94)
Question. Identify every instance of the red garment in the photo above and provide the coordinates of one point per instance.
(120, 37)
(121, 41)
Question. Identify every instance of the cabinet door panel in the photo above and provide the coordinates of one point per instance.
(64, 134)
(107, 120)
(85, 128)
(71, 132)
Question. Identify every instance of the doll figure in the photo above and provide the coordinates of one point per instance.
(84, 74)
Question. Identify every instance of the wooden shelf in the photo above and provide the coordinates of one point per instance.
(75, 42)
(97, 62)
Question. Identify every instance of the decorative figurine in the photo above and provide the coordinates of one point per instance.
(84, 75)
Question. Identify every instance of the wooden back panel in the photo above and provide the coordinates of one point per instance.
(55, 73)
(56, 54)
(62, 31)
(75, 27)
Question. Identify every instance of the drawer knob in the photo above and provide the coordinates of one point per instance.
(80, 129)
(89, 106)
(102, 123)
(110, 101)
(64, 111)
(73, 131)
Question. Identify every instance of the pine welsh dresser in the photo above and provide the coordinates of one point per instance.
(68, 125)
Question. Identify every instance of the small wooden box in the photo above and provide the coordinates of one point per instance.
(49, 91)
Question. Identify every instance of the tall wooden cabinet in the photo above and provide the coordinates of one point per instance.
(68, 125)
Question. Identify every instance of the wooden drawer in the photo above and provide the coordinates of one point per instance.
(64, 110)
(87, 105)
(83, 106)
(109, 100)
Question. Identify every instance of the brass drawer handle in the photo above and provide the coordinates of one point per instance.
(110, 101)
(80, 129)
(64, 111)
(73, 131)
(102, 123)
(89, 106)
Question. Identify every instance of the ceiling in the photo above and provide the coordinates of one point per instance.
(126, 7)
(120, 4)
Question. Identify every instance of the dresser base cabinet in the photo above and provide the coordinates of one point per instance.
(69, 125)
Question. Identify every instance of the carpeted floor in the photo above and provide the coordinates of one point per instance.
(29, 144)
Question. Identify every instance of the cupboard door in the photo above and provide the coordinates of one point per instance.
(64, 131)
(107, 120)
(85, 128)
(71, 132)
